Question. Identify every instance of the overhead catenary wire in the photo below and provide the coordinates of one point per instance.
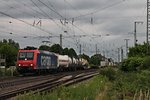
(72, 7)
(50, 8)
(8, 11)
(17, 19)
(58, 14)
(98, 10)
(32, 9)
(55, 10)
(24, 22)
(4, 13)
(61, 16)
(73, 19)
(42, 11)
(114, 4)
(16, 22)
(45, 12)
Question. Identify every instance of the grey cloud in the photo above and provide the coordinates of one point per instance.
(115, 20)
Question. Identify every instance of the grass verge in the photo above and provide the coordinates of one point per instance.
(84, 91)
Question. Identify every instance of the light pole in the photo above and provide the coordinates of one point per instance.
(135, 39)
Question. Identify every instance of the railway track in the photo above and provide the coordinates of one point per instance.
(13, 81)
(23, 80)
(45, 83)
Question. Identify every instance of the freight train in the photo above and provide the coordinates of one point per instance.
(39, 60)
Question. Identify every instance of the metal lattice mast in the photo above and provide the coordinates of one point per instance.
(148, 20)
(148, 25)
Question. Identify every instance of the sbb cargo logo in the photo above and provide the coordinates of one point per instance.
(45, 61)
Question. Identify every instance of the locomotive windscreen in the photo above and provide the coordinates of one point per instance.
(26, 56)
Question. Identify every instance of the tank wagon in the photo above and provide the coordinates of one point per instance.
(38, 60)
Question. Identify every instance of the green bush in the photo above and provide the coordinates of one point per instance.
(146, 63)
(131, 64)
(135, 63)
(128, 83)
(143, 79)
(124, 64)
(109, 72)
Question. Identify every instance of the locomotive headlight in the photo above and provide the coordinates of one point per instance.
(19, 65)
(31, 64)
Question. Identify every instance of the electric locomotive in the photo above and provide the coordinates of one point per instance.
(36, 60)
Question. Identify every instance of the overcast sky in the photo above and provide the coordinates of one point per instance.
(103, 22)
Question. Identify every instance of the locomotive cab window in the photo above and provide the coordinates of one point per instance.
(29, 55)
(22, 55)
(26, 55)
